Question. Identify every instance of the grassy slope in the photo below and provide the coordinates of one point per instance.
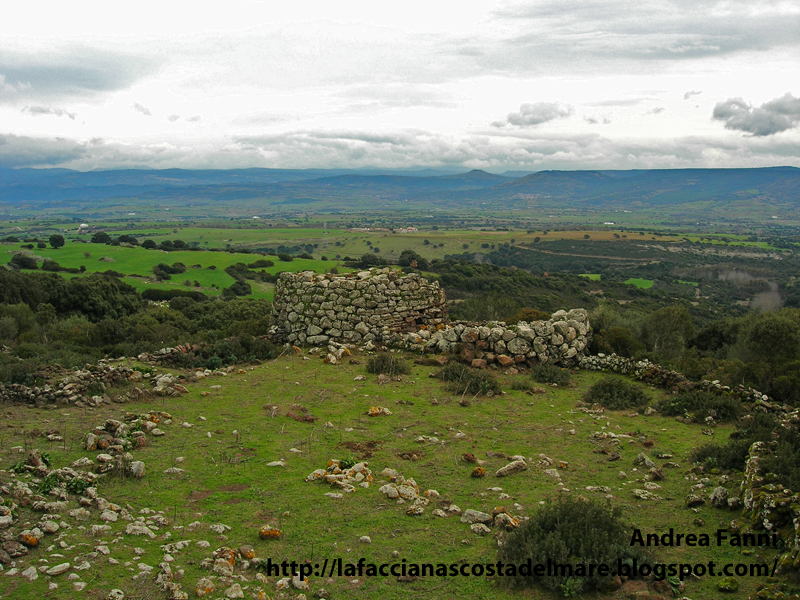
(227, 480)
(138, 261)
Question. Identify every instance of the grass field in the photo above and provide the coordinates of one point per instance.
(642, 284)
(591, 276)
(234, 434)
(139, 261)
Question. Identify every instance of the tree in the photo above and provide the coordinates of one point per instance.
(149, 245)
(23, 261)
(668, 330)
(56, 241)
(101, 237)
(773, 338)
(45, 317)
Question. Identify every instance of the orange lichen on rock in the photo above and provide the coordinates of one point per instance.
(228, 554)
(204, 587)
(29, 540)
(478, 472)
(376, 411)
(247, 552)
(268, 532)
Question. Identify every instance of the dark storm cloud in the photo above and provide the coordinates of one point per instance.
(770, 118)
(74, 71)
(531, 115)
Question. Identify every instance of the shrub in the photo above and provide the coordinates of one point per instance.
(387, 364)
(550, 373)
(238, 288)
(23, 261)
(757, 427)
(285, 257)
(699, 405)
(569, 531)
(261, 264)
(462, 379)
(617, 394)
(521, 386)
(529, 315)
(157, 295)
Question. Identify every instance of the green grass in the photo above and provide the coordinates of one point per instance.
(138, 261)
(591, 276)
(226, 479)
(694, 283)
(642, 284)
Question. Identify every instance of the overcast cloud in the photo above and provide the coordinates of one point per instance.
(498, 85)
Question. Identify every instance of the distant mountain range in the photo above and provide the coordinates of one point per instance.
(61, 187)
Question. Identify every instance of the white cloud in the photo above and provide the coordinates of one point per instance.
(531, 115)
(44, 110)
(142, 109)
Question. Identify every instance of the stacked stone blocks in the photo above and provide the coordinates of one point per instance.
(373, 305)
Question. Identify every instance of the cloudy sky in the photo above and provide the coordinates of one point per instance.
(509, 85)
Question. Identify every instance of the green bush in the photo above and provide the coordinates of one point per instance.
(549, 373)
(758, 427)
(569, 531)
(699, 405)
(261, 263)
(616, 393)
(521, 386)
(387, 364)
(461, 379)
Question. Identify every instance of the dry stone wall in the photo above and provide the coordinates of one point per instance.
(560, 340)
(375, 305)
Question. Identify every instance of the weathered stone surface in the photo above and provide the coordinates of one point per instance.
(511, 468)
(378, 304)
(475, 516)
(719, 498)
(58, 569)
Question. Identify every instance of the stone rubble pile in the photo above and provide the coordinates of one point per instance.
(559, 340)
(405, 490)
(770, 506)
(343, 478)
(70, 386)
(653, 374)
(368, 306)
(385, 307)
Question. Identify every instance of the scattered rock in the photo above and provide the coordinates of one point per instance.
(511, 468)
(476, 516)
(58, 569)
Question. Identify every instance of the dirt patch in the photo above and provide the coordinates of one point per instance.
(233, 501)
(196, 496)
(239, 487)
(300, 414)
(362, 449)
